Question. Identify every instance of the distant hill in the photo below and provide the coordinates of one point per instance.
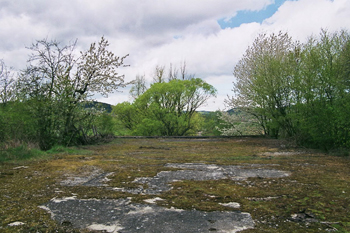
(234, 111)
(96, 104)
(204, 112)
(230, 111)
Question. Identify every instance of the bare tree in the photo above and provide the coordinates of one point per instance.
(6, 83)
(173, 72)
(183, 71)
(138, 86)
(159, 74)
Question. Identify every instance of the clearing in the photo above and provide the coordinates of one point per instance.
(178, 185)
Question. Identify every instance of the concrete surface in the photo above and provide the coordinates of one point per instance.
(121, 215)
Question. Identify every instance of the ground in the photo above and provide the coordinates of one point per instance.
(178, 185)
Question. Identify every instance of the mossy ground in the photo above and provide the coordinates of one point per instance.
(319, 184)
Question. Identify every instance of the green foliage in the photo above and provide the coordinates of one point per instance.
(238, 123)
(127, 114)
(22, 152)
(264, 82)
(16, 123)
(61, 150)
(298, 91)
(105, 124)
(56, 87)
(211, 124)
(166, 108)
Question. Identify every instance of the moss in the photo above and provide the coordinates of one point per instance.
(319, 184)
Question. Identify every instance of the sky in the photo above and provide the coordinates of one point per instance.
(211, 36)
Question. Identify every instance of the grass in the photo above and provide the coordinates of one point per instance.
(24, 153)
(319, 184)
(20, 153)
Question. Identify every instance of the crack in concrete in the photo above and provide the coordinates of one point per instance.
(121, 215)
(198, 171)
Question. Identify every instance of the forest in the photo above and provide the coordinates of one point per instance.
(282, 88)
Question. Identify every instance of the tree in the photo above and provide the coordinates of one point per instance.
(211, 124)
(264, 78)
(167, 108)
(16, 124)
(7, 83)
(238, 123)
(322, 111)
(127, 114)
(173, 73)
(299, 91)
(173, 104)
(159, 74)
(56, 84)
(138, 86)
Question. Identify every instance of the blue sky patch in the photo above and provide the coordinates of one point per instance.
(251, 16)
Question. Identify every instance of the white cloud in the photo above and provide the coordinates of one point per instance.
(159, 32)
(304, 18)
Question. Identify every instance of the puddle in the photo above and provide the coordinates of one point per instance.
(201, 172)
(123, 216)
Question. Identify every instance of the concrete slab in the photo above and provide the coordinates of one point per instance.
(201, 172)
(123, 216)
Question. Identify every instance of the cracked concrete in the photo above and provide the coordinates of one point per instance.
(91, 176)
(198, 171)
(121, 215)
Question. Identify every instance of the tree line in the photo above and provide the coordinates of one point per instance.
(51, 101)
(299, 91)
(168, 107)
(46, 103)
(282, 89)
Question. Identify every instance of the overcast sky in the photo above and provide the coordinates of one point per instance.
(210, 35)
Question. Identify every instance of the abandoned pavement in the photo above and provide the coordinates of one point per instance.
(122, 215)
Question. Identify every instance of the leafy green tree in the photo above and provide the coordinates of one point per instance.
(264, 78)
(128, 114)
(294, 90)
(211, 124)
(15, 122)
(166, 108)
(324, 104)
(173, 104)
(56, 84)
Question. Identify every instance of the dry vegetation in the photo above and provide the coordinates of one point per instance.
(314, 198)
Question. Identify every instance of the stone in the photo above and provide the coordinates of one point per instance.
(234, 205)
(16, 224)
